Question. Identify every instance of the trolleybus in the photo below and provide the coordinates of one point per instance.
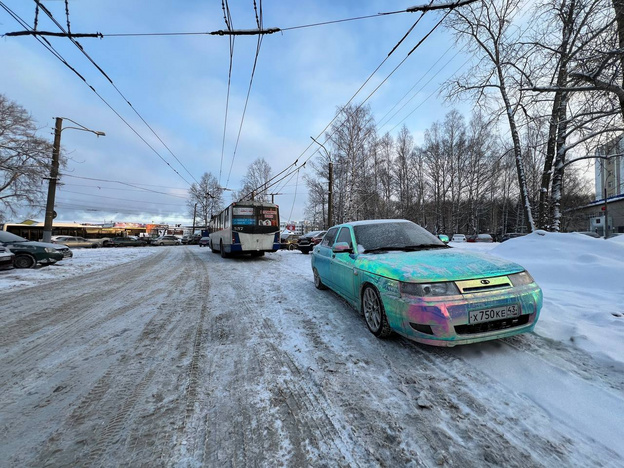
(246, 227)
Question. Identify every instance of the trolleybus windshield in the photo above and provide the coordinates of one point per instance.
(255, 219)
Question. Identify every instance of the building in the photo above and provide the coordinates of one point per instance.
(609, 183)
(610, 172)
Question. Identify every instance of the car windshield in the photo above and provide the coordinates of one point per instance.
(394, 236)
(10, 238)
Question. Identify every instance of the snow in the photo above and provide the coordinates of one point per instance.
(583, 316)
(83, 262)
(583, 283)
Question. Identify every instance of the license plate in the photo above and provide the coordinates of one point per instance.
(494, 313)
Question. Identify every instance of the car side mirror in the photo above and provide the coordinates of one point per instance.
(342, 247)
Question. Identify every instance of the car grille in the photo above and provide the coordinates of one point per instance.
(492, 326)
(483, 284)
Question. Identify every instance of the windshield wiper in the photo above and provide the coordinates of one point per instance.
(384, 249)
(424, 246)
(404, 248)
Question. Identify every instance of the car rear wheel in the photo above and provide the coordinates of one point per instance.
(317, 281)
(374, 313)
(222, 250)
(24, 261)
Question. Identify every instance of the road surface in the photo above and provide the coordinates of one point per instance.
(187, 359)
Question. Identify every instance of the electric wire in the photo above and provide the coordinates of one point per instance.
(426, 99)
(348, 102)
(240, 128)
(53, 51)
(228, 24)
(289, 28)
(62, 191)
(367, 98)
(82, 50)
(124, 183)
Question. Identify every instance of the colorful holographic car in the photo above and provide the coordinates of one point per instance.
(404, 279)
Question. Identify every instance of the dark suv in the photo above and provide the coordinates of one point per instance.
(29, 253)
(307, 242)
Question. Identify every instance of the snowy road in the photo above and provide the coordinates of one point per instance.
(182, 358)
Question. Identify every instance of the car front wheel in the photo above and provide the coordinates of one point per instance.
(24, 261)
(317, 281)
(374, 313)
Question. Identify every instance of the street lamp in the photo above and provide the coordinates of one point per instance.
(56, 149)
(330, 211)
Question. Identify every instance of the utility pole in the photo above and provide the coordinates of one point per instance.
(273, 196)
(56, 149)
(194, 213)
(330, 210)
(606, 209)
(330, 198)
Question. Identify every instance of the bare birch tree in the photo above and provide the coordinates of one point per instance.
(256, 181)
(205, 198)
(499, 72)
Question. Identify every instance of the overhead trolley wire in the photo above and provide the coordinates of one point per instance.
(253, 72)
(54, 52)
(137, 186)
(79, 46)
(423, 11)
(227, 17)
(261, 31)
(348, 102)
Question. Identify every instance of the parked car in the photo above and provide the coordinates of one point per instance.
(484, 238)
(204, 241)
(73, 242)
(6, 258)
(404, 279)
(195, 238)
(127, 242)
(167, 240)
(444, 238)
(306, 242)
(30, 253)
(289, 242)
(458, 238)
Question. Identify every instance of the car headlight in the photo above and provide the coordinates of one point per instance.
(521, 279)
(50, 250)
(446, 288)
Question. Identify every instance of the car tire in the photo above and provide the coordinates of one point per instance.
(212, 248)
(24, 261)
(222, 250)
(318, 284)
(374, 313)
(291, 247)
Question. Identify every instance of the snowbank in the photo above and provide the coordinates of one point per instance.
(583, 283)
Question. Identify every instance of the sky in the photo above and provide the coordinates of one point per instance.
(549, 377)
(177, 85)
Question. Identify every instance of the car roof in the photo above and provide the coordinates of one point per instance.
(373, 221)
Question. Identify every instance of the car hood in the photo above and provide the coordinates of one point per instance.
(436, 265)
